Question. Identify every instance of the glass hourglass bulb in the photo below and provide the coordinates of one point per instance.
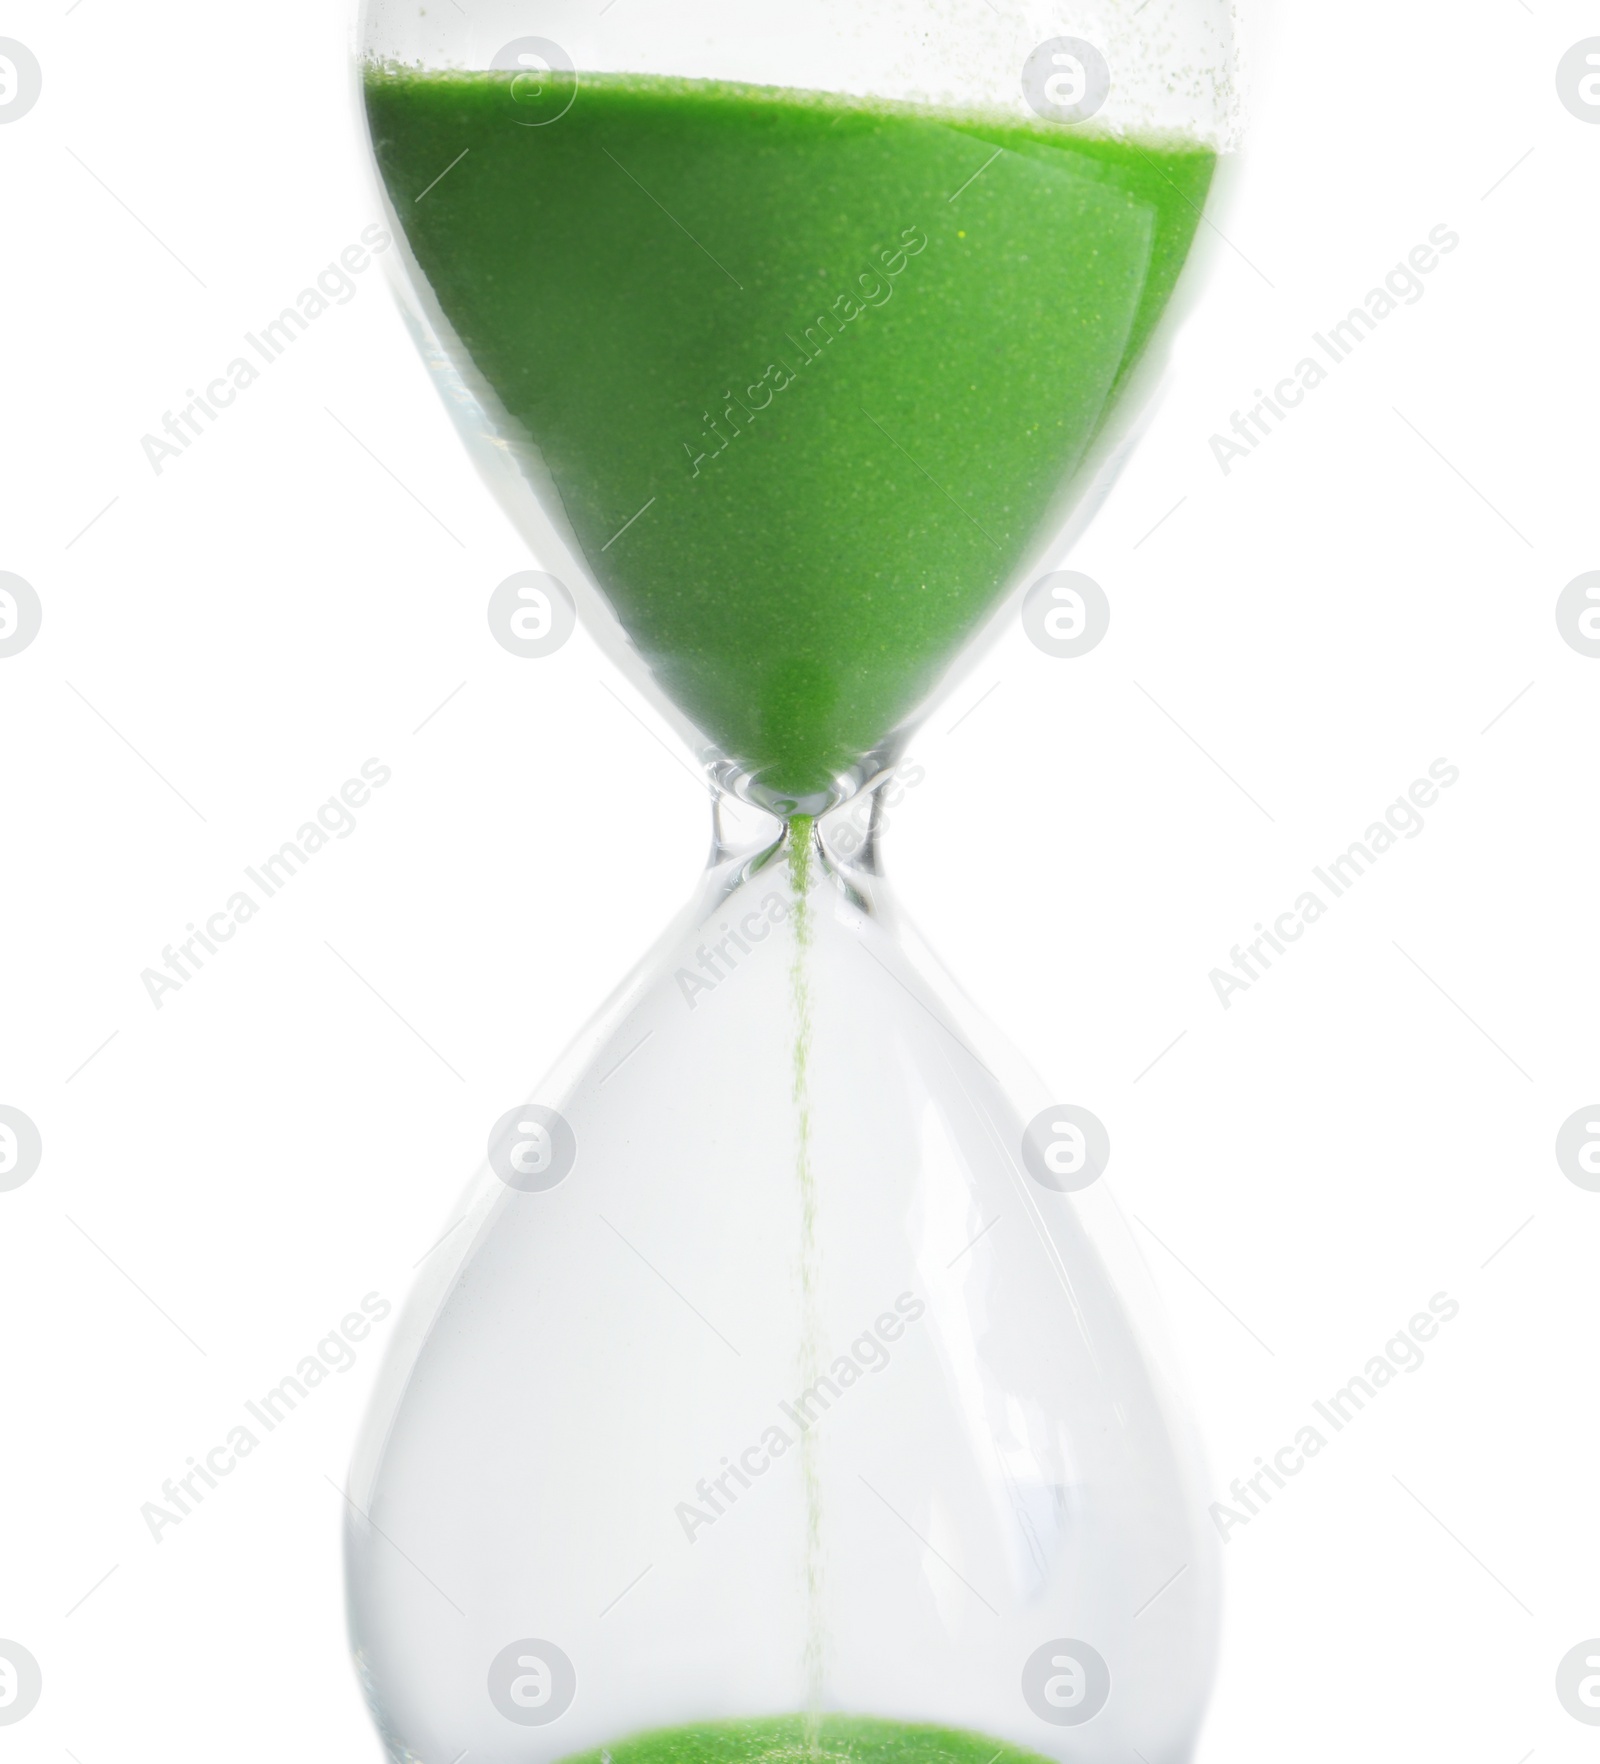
(783, 1387)
(772, 1373)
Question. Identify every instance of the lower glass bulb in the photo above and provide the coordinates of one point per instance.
(775, 1376)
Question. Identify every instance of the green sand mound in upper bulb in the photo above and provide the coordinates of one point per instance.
(786, 1739)
(842, 355)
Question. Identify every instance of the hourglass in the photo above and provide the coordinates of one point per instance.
(784, 1389)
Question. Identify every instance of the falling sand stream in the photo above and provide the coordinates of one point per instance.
(810, 1325)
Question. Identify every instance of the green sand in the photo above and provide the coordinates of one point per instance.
(785, 1739)
(843, 355)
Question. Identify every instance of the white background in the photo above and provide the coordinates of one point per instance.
(225, 644)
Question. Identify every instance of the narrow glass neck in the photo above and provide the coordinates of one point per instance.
(841, 849)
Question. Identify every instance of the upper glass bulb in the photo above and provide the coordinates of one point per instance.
(791, 338)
